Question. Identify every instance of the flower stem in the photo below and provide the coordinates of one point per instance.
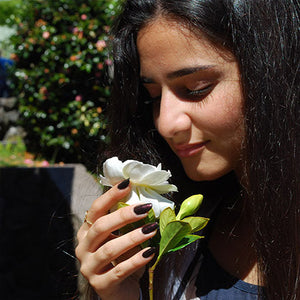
(151, 274)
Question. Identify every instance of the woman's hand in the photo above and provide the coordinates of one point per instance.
(114, 264)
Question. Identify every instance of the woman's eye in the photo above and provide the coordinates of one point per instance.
(197, 93)
(182, 93)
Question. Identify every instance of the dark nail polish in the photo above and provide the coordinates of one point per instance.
(149, 252)
(149, 228)
(142, 209)
(124, 184)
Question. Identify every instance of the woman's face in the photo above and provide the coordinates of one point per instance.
(197, 98)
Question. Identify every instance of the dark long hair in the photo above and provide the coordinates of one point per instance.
(264, 37)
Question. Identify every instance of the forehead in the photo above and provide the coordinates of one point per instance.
(167, 43)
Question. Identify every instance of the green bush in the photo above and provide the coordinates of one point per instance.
(8, 9)
(61, 58)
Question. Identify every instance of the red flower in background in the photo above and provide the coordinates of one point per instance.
(100, 66)
(78, 98)
(73, 57)
(100, 45)
(108, 62)
(46, 34)
(43, 90)
(40, 23)
(14, 57)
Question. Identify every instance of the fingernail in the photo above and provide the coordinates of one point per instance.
(142, 209)
(149, 252)
(124, 184)
(149, 228)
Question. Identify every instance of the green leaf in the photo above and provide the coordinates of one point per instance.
(150, 217)
(166, 216)
(173, 233)
(188, 239)
(197, 223)
(121, 205)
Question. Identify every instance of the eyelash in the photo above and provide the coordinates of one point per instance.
(198, 93)
(186, 94)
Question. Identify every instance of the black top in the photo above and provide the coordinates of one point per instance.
(215, 283)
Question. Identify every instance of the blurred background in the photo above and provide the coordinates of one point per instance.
(55, 73)
(55, 65)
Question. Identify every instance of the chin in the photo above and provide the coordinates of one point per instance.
(206, 175)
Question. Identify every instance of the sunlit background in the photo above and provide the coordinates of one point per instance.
(56, 56)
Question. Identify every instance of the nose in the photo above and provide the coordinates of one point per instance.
(172, 118)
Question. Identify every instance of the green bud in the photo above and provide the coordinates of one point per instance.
(189, 206)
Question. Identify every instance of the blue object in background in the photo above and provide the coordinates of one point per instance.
(5, 63)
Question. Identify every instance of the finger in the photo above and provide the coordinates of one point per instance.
(115, 248)
(105, 225)
(104, 203)
(123, 270)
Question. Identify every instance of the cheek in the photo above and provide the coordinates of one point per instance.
(225, 115)
(230, 128)
(219, 121)
(228, 120)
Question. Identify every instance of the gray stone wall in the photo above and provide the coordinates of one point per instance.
(8, 119)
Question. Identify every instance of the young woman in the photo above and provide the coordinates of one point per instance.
(209, 88)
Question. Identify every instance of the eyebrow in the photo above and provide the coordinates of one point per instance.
(180, 73)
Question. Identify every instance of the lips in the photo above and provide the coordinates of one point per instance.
(188, 150)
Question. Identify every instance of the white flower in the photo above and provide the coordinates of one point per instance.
(147, 182)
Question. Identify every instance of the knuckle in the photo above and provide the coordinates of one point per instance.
(80, 234)
(134, 237)
(98, 227)
(136, 263)
(96, 284)
(119, 272)
(124, 214)
(97, 205)
(78, 252)
(106, 253)
(84, 270)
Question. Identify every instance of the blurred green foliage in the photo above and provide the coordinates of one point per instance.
(60, 78)
(8, 9)
(12, 153)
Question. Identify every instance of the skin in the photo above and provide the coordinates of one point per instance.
(112, 264)
(197, 108)
(197, 98)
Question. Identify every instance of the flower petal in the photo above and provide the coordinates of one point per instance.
(136, 170)
(147, 182)
(155, 204)
(105, 181)
(133, 197)
(112, 170)
(137, 197)
(165, 204)
(156, 177)
(149, 195)
(164, 188)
